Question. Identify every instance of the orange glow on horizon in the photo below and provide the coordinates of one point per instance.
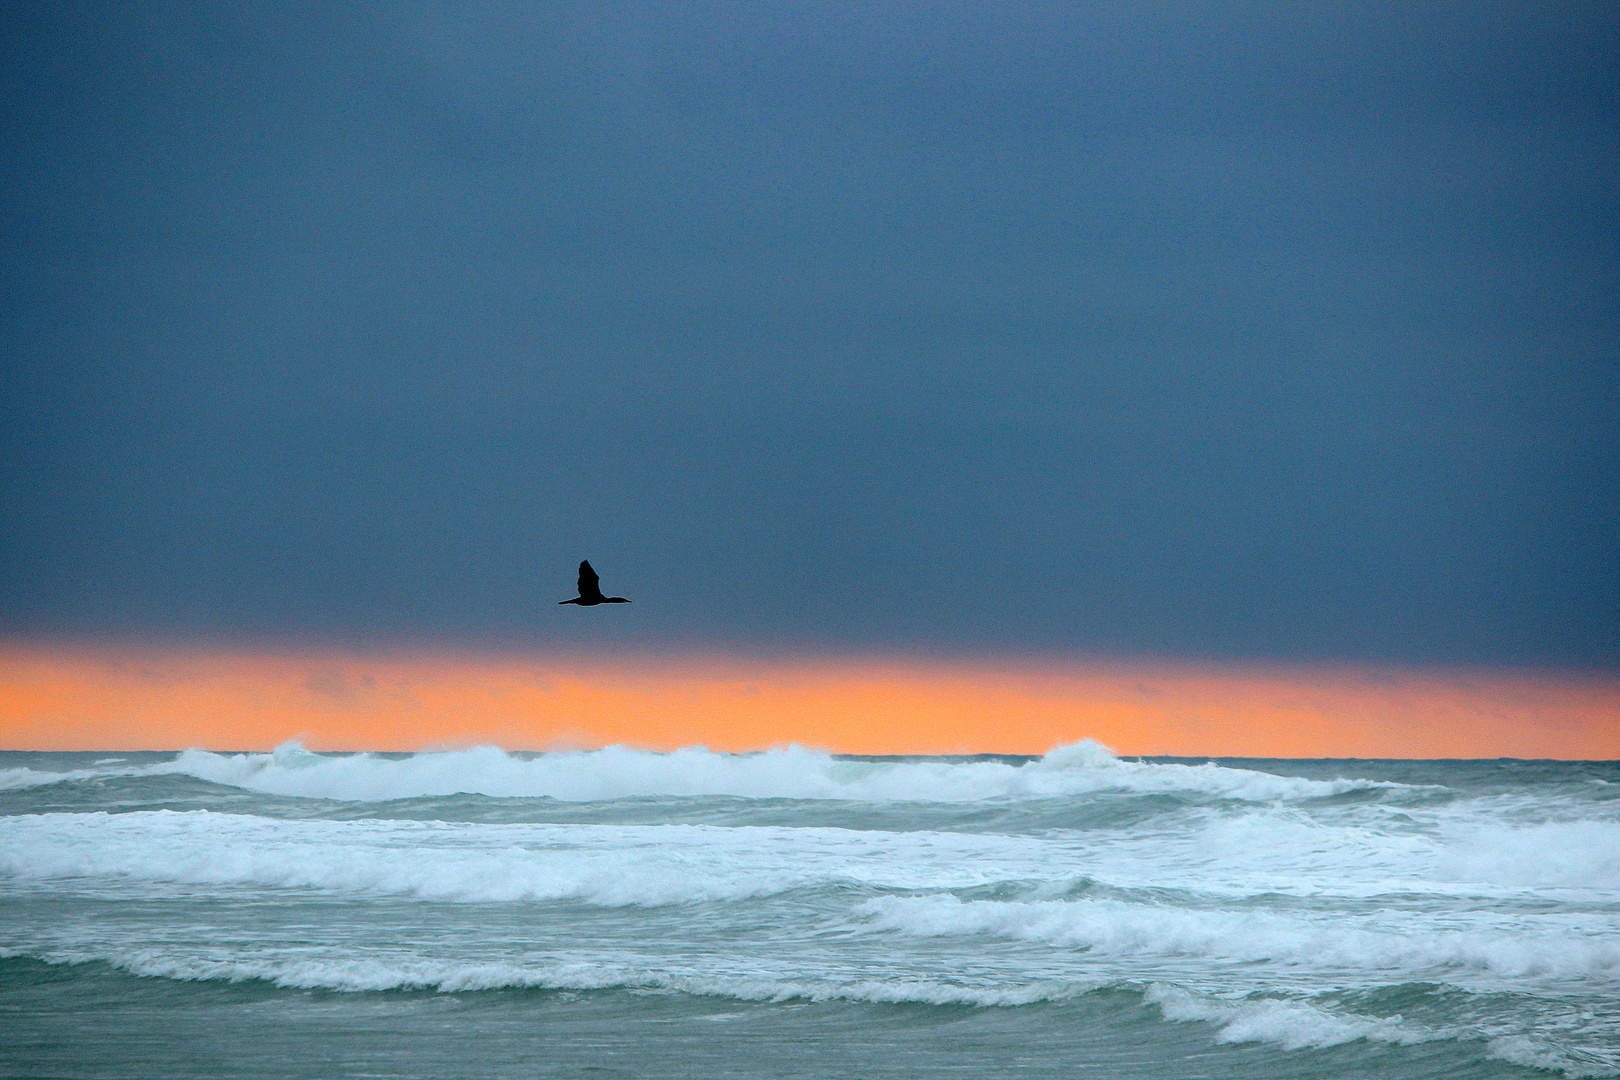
(68, 698)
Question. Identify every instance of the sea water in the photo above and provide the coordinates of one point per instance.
(616, 912)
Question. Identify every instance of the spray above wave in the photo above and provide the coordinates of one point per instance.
(618, 772)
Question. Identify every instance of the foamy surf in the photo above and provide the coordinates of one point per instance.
(1327, 919)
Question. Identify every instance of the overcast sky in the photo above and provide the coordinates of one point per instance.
(1224, 330)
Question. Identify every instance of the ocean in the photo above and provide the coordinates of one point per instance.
(623, 913)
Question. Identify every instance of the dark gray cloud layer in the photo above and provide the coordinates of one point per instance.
(1215, 330)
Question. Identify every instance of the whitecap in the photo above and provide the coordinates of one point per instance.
(618, 772)
(1293, 1025)
(1570, 854)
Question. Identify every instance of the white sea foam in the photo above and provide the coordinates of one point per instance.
(1118, 928)
(1293, 1025)
(618, 772)
(1573, 854)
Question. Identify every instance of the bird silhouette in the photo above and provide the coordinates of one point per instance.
(590, 592)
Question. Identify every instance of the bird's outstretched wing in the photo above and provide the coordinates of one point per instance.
(589, 584)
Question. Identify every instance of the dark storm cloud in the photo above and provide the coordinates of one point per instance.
(1270, 331)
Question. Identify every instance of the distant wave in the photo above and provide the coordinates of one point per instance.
(618, 772)
(18, 778)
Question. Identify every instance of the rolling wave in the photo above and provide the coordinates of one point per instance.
(1289, 1023)
(460, 976)
(1118, 928)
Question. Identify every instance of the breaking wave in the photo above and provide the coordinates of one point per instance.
(1572, 854)
(1293, 1025)
(618, 772)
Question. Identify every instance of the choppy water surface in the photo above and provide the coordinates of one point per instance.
(794, 914)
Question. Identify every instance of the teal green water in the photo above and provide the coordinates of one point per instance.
(793, 914)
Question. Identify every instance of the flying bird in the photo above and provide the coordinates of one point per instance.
(590, 592)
